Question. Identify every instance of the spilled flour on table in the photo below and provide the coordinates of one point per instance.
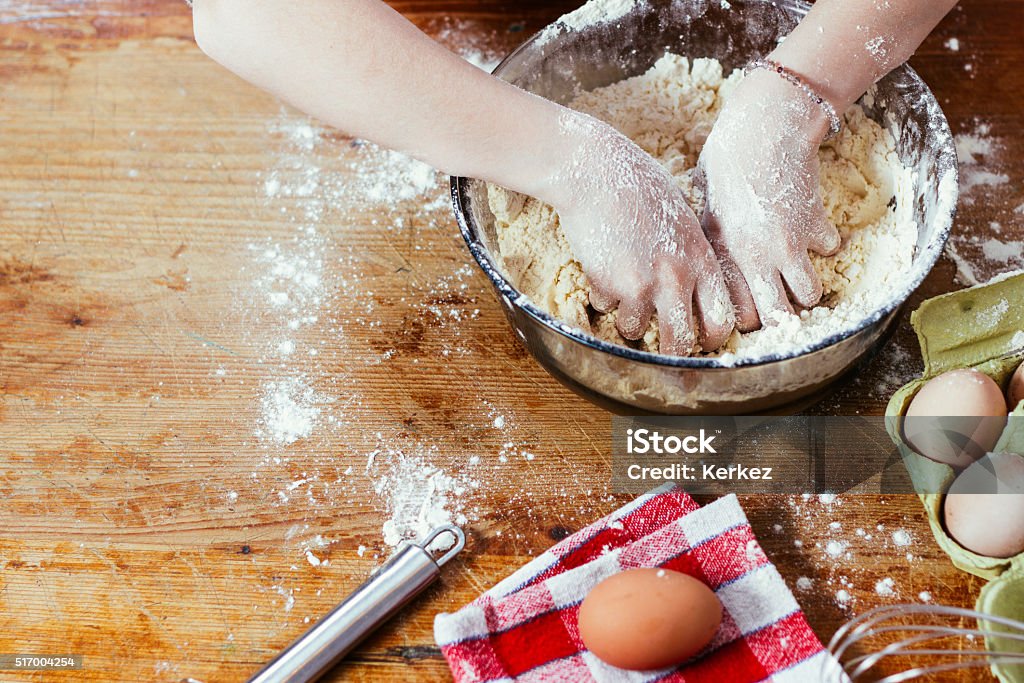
(312, 289)
(288, 280)
(982, 249)
(287, 594)
(306, 287)
(386, 175)
(290, 408)
(976, 152)
(842, 553)
(289, 274)
(419, 497)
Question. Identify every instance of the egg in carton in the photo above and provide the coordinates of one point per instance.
(976, 330)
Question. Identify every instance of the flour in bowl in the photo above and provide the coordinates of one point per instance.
(669, 111)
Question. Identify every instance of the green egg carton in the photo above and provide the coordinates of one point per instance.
(979, 328)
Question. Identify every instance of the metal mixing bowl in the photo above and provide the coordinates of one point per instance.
(558, 64)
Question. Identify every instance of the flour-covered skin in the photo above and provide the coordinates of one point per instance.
(669, 112)
(346, 63)
(640, 244)
(633, 233)
(763, 210)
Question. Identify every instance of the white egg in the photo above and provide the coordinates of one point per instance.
(956, 418)
(984, 508)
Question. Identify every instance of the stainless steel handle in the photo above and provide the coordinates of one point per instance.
(391, 587)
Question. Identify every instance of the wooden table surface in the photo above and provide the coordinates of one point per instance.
(222, 327)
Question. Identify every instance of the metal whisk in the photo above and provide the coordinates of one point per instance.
(921, 626)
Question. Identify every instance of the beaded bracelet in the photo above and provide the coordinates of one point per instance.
(834, 122)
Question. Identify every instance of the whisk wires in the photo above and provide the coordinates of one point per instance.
(881, 620)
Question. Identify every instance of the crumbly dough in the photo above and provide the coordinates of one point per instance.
(669, 112)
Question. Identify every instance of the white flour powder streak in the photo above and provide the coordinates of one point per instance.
(290, 409)
(419, 497)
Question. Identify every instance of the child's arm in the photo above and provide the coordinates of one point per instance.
(360, 66)
(760, 164)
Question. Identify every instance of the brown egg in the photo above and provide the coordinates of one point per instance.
(956, 418)
(649, 618)
(1015, 392)
(984, 508)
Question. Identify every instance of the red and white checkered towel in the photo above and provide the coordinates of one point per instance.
(525, 628)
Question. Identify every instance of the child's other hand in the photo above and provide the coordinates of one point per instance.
(640, 245)
(763, 210)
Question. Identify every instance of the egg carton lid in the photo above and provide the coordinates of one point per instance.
(972, 326)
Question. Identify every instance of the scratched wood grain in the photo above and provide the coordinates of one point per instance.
(144, 522)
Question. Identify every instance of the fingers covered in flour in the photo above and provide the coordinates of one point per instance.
(674, 300)
(744, 308)
(601, 299)
(715, 310)
(634, 315)
(802, 281)
(769, 295)
(639, 243)
(823, 237)
(764, 212)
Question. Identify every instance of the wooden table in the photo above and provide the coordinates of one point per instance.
(175, 247)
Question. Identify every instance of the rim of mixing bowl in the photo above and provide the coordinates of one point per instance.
(929, 255)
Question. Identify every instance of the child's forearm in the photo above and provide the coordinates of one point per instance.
(360, 66)
(843, 46)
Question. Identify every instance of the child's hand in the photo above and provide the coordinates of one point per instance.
(762, 211)
(763, 208)
(624, 217)
(639, 243)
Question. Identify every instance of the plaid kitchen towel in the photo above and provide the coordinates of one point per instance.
(525, 628)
